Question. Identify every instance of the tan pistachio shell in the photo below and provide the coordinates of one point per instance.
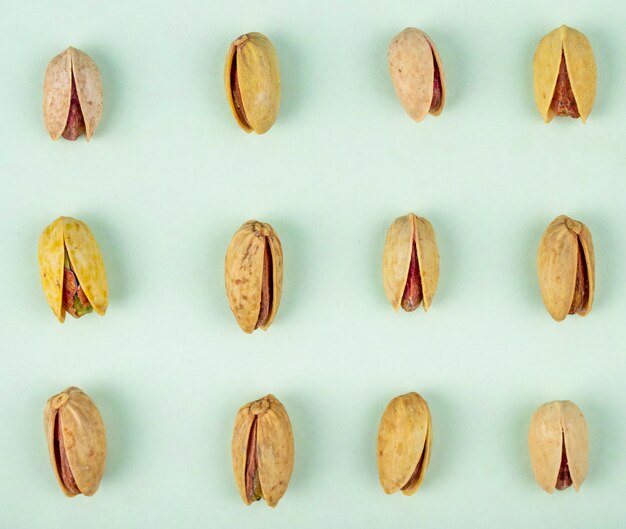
(550, 425)
(412, 56)
(258, 76)
(404, 437)
(243, 273)
(275, 447)
(397, 258)
(84, 436)
(82, 248)
(581, 69)
(557, 261)
(57, 91)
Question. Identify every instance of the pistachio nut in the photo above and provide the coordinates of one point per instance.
(410, 263)
(565, 75)
(252, 82)
(404, 441)
(262, 451)
(566, 268)
(72, 95)
(71, 269)
(253, 272)
(76, 441)
(417, 73)
(558, 443)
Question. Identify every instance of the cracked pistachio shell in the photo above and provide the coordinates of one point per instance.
(558, 266)
(252, 61)
(404, 441)
(274, 448)
(581, 69)
(397, 258)
(57, 90)
(551, 425)
(412, 59)
(245, 273)
(84, 439)
(66, 233)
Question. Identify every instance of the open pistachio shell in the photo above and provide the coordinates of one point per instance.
(252, 82)
(558, 443)
(57, 92)
(566, 268)
(262, 451)
(417, 73)
(404, 443)
(69, 235)
(572, 46)
(76, 441)
(253, 273)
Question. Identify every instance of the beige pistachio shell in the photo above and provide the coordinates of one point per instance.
(275, 448)
(84, 436)
(550, 425)
(404, 438)
(85, 257)
(412, 56)
(243, 273)
(57, 90)
(397, 258)
(254, 59)
(557, 265)
(581, 69)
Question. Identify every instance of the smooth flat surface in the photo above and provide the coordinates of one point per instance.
(168, 178)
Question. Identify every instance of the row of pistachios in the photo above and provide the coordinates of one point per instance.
(564, 78)
(263, 446)
(74, 280)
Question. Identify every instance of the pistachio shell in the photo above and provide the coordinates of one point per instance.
(557, 265)
(275, 450)
(551, 425)
(243, 272)
(84, 435)
(397, 258)
(253, 58)
(581, 68)
(412, 58)
(404, 439)
(66, 233)
(58, 88)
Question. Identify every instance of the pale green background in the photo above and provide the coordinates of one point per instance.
(169, 177)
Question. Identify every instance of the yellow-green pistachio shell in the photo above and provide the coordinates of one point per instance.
(566, 268)
(417, 74)
(252, 82)
(253, 273)
(262, 451)
(406, 234)
(404, 444)
(73, 236)
(57, 91)
(557, 435)
(581, 69)
(76, 441)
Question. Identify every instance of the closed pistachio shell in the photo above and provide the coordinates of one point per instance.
(253, 272)
(262, 451)
(410, 263)
(558, 443)
(417, 73)
(76, 441)
(68, 248)
(252, 82)
(566, 268)
(404, 443)
(565, 75)
(72, 95)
